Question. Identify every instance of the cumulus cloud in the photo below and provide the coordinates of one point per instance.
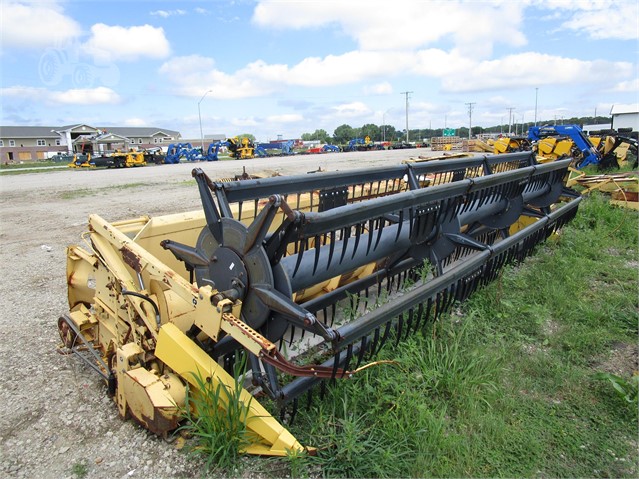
(533, 69)
(112, 43)
(35, 25)
(627, 86)
(473, 26)
(351, 110)
(599, 19)
(75, 96)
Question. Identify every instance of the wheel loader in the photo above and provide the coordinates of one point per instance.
(160, 305)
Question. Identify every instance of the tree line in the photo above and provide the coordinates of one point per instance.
(344, 133)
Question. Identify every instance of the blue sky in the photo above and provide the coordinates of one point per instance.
(286, 67)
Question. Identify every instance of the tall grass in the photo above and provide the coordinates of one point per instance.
(508, 386)
(216, 419)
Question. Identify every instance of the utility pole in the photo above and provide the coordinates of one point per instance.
(470, 118)
(510, 118)
(406, 93)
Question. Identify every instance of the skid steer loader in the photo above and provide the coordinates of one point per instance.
(153, 302)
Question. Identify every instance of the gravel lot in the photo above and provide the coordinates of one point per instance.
(55, 413)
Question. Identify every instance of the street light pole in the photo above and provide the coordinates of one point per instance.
(199, 114)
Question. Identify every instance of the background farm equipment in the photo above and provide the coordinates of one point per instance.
(80, 160)
(154, 302)
(362, 144)
(178, 151)
(241, 148)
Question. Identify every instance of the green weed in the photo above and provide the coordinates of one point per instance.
(217, 419)
(626, 389)
(80, 470)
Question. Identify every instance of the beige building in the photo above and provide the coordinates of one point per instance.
(30, 143)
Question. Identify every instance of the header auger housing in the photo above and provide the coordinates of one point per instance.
(154, 301)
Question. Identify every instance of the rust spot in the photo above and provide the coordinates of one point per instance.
(131, 259)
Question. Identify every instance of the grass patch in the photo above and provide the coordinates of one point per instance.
(32, 164)
(83, 192)
(512, 385)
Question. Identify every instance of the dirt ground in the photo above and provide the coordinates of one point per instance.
(56, 417)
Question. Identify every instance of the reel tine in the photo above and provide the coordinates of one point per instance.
(362, 350)
(409, 322)
(335, 365)
(293, 412)
(400, 325)
(385, 336)
(401, 222)
(317, 253)
(358, 232)
(322, 390)
(290, 341)
(346, 234)
(371, 225)
(303, 245)
(331, 250)
(374, 349)
(309, 399)
(420, 313)
(349, 356)
(429, 307)
(382, 223)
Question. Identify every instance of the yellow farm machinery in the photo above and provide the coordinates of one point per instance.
(156, 303)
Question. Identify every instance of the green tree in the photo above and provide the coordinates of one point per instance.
(320, 135)
(388, 132)
(373, 131)
(247, 135)
(343, 134)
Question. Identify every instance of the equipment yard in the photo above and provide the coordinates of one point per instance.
(57, 419)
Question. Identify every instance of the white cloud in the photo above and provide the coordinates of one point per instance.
(35, 25)
(167, 13)
(600, 19)
(383, 88)
(135, 122)
(244, 122)
(75, 96)
(473, 26)
(616, 20)
(533, 69)
(351, 110)
(627, 86)
(285, 118)
(112, 43)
